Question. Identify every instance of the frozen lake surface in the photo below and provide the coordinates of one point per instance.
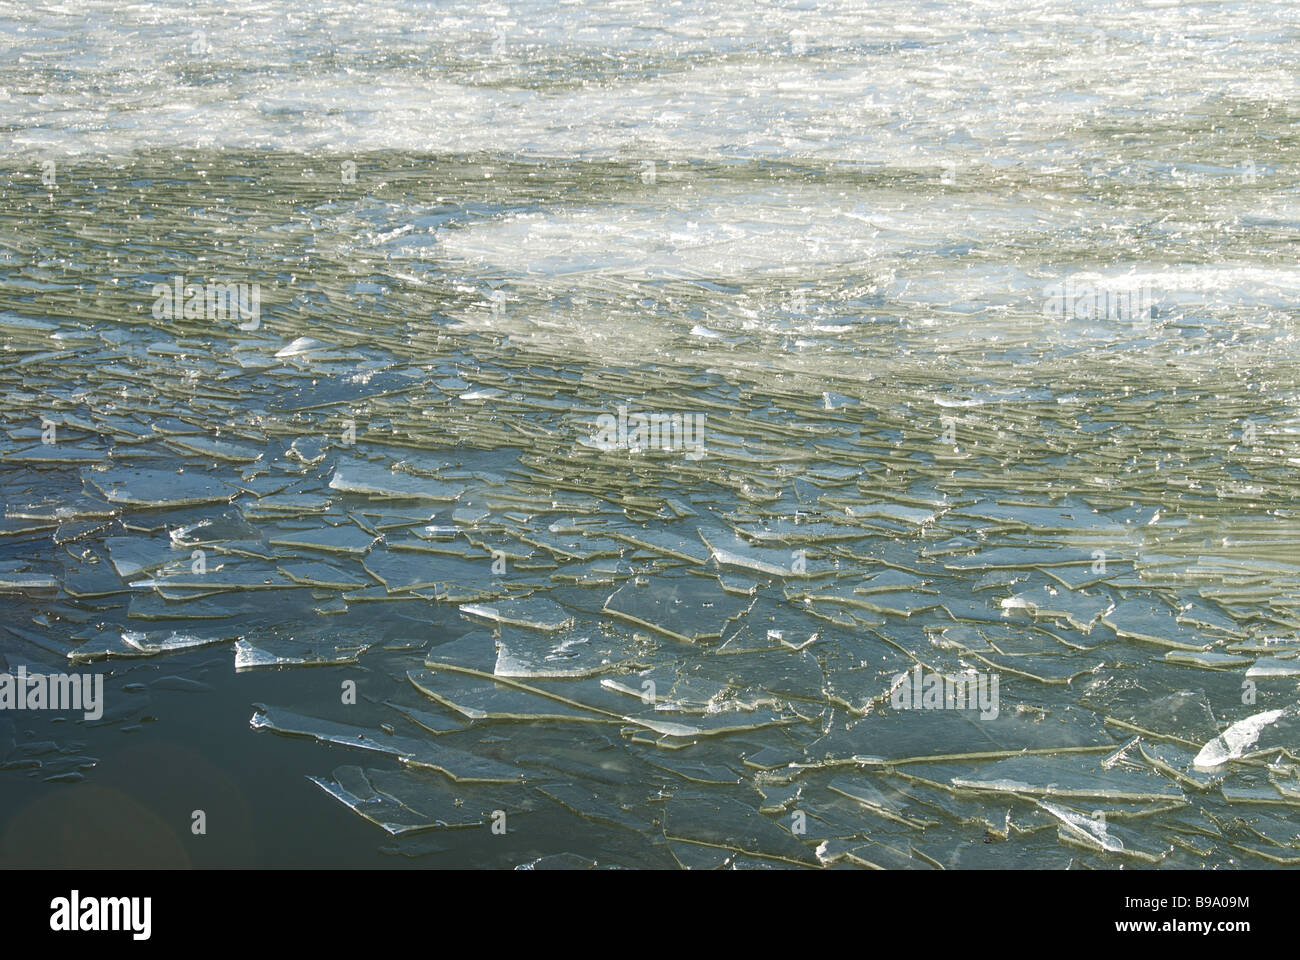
(624, 434)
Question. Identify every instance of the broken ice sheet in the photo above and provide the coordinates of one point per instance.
(1274, 667)
(401, 571)
(1056, 670)
(1069, 776)
(434, 721)
(738, 585)
(256, 607)
(284, 505)
(893, 511)
(296, 652)
(962, 639)
(865, 464)
(217, 574)
(215, 449)
(1184, 717)
(1077, 609)
(375, 480)
(30, 584)
(345, 539)
(559, 861)
(693, 766)
(1207, 660)
(911, 735)
(50, 454)
(597, 755)
(691, 726)
(141, 487)
(685, 609)
(459, 765)
(622, 806)
(1149, 623)
(863, 789)
(1280, 857)
(1083, 575)
(1258, 734)
(229, 525)
(535, 613)
(607, 571)
(872, 855)
(403, 803)
(306, 450)
(890, 581)
(1099, 833)
(718, 821)
(133, 557)
(72, 530)
(896, 603)
(62, 507)
(664, 542)
(317, 573)
(137, 643)
(662, 687)
(750, 677)
(731, 550)
(473, 652)
(1176, 761)
(1015, 558)
(479, 699)
(1285, 778)
(572, 653)
(784, 530)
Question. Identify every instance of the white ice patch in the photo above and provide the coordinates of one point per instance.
(1236, 740)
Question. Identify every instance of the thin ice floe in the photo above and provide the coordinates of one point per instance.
(294, 652)
(456, 764)
(928, 433)
(1237, 740)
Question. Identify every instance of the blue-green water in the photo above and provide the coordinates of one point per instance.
(978, 327)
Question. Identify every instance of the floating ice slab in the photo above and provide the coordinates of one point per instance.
(574, 653)
(535, 613)
(374, 480)
(1238, 739)
(456, 764)
(294, 652)
(1072, 777)
(158, 488)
